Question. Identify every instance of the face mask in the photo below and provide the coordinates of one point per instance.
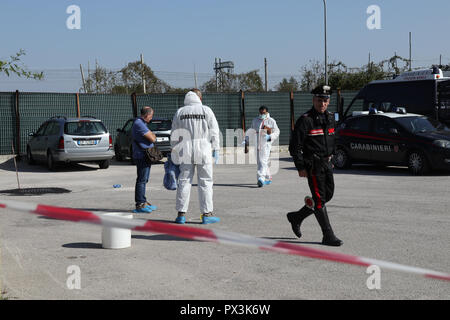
(262, 116)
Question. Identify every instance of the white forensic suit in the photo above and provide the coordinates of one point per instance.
(195, 134)
(263, 146)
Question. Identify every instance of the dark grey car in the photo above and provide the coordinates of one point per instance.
(64, 140)
(159, 126)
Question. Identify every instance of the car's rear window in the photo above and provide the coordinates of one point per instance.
(160, 125)
(84, 128)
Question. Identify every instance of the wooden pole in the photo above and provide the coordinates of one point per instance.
(265, 74)
(78, 105)
(291, 102)
(134, 104)
(410, 53)
(82, 78)
(243, 110)
(143, 75)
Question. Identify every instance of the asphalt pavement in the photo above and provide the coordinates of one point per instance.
(379, 212)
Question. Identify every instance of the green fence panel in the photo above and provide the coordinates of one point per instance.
(113, 109)
(165, 104)
(226, 108)
(35, 108)
(8, 122)
(348, 97)
(303, 101)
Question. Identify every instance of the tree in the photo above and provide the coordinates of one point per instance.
(250, 82)
(288, 85)
(132, 76)
(445, 67)
(12, 66)
(125, 81)
(229, 82)
(178, 90)
(101, 81)
(345, 78)
(312, 75)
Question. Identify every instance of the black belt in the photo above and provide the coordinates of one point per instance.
(319, 158)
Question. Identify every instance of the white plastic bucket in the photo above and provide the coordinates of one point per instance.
(116, 238)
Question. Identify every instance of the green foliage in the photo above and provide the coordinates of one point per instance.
(101, 81)
(288, 85)
(229, 82)
(178, 90)
(340, 76)
(132, 76)
(125, 81)
(445, 67)
(12, 66)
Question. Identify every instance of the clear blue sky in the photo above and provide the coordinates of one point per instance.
(174, 35)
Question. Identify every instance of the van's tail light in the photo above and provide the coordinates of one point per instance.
(61, 143)
(110, 142)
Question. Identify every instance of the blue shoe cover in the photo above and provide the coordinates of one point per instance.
(180, 220)
(151, 207)
(260, 182)
(208, 220)
(142, 210)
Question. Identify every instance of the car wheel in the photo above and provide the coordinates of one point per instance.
(30, 159)
(417, 163)
(50, 161)
(119, 156)
(104, 164)
(341, 159)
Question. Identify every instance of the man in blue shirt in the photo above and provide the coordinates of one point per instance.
(143, 139)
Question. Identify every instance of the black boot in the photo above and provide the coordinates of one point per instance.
(329, 239)
(296, 218)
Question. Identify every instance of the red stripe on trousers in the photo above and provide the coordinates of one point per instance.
(316, 191)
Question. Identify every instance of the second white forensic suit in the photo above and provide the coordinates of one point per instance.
(263, 146)
(195, 134)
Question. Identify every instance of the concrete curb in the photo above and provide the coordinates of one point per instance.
(4, 158)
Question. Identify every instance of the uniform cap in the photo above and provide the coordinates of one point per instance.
(322, 91)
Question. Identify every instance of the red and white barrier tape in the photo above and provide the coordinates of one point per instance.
(217, 236)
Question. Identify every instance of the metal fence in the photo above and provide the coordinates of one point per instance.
(23, 112)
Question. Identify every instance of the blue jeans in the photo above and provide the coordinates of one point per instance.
(143, 174)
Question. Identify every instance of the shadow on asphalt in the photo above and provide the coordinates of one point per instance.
(291, 240)
(128, 163)
(23, 166)
(104, 210)
(161, 237)
(238, 185)
(83, 245)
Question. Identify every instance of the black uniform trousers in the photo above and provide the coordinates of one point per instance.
(321, 183)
